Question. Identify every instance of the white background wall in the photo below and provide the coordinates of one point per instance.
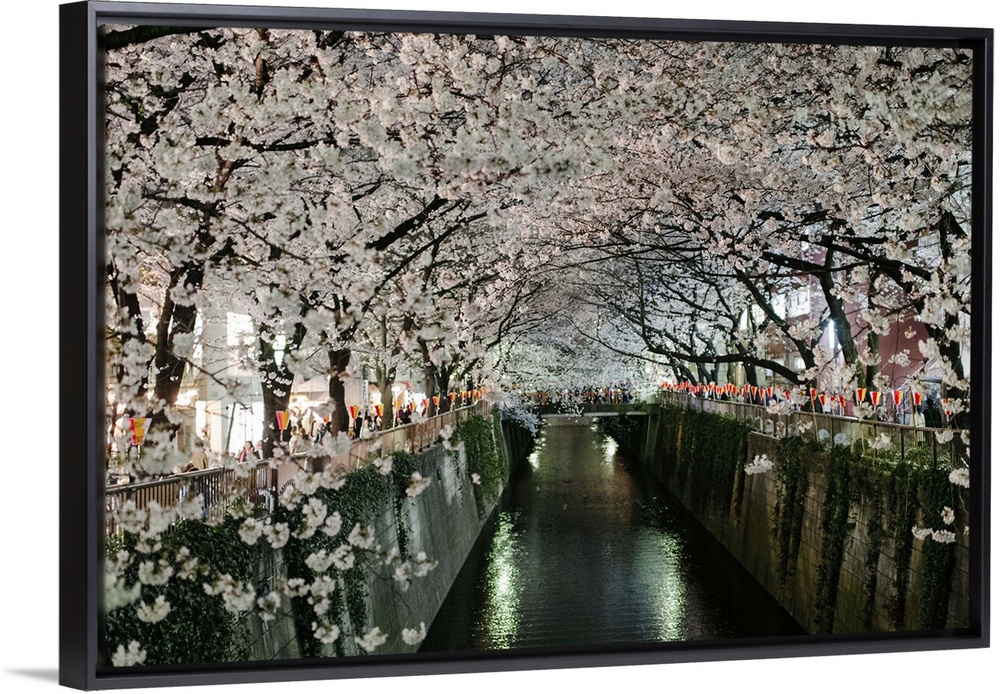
(28, 605)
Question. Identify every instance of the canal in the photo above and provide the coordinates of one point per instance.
(585, 552)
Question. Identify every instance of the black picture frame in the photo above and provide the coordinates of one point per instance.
(81, 287)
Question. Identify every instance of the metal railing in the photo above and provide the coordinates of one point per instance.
(258, 485)
(924, 444)
(217, 487)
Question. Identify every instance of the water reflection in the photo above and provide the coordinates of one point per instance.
(584, 553)
(501, 616)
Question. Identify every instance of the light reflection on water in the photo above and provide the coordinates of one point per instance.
(503, 587)
(583, 553)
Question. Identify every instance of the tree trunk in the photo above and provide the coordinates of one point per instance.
(339, 419)
(430, 387)
(174, 320)
(443, 378)
(276, 386)
(384, 378)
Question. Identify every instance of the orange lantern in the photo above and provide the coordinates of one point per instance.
(378, 410)
(353, 411)
(861, 393)
(283, 417)
(137, 425)
(897, 397)
(822, 399)
(876, 397)
(917, 398)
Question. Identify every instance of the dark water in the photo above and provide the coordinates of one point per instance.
(585, 553)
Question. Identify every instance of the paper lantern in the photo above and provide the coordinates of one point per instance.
(283, 417)
(897, 397)
(876, 397)
(917, 398)
(352, 411)
(137, 425)
(861, 393)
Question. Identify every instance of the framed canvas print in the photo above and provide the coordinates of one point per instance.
(431, 342)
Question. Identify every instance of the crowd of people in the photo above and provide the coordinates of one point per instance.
(590, 394)
(924, 410)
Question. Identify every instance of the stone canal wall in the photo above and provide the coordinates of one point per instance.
(443, 522)
(826, 530)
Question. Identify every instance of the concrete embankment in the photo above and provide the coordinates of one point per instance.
(829, 535)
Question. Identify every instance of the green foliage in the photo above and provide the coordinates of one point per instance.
(483, 459)
(362, 500)
(705, 451)
(198, 628)
(836, 528)
(702, 454)
(622, 429)
(901, 505)
(938, 557)
(875, 537)
(794, 457)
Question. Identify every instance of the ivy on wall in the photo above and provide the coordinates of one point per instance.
(938, 558)
(794, 457)
(483, 459)
(834, 521)
(199, 628)
(362, 499)
(701, 451)
(888, 494)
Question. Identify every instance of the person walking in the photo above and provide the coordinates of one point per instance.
(247, 453)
